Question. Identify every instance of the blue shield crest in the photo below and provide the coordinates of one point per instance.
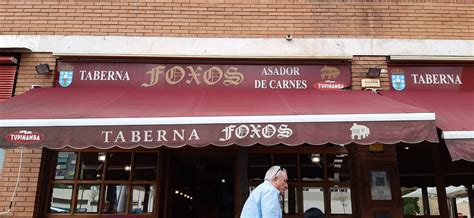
(65, 78)
(398, 82)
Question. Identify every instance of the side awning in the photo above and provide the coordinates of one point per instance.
(454, 116)
(109, 117)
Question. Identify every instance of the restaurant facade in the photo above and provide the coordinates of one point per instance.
(183, 126)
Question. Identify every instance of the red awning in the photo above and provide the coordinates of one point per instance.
(127, 118)
(454, 116)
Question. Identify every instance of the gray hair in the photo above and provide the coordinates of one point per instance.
(273, 172)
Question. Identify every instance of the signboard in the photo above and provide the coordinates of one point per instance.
(200, 135)
(204, 76)
(380, 185)
(24, 137)
(376, 148)
(370, 83)
(452, 78)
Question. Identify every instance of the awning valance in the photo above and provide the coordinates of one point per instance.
(454, 116)
(127, 118)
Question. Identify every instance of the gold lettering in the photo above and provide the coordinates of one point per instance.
(175, 75)
(154, 75)
(194, 75)
(233, 76)
(213, 75)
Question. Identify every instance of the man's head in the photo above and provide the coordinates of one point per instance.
(313, 213)
(278, 177)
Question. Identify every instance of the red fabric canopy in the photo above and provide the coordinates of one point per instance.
(454, 115)
(127, 118)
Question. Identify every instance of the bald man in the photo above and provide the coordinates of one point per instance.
(263, 201)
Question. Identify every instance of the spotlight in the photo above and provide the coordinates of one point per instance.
(315, 158)
(373, 72)
(101, 157)
(42, 68)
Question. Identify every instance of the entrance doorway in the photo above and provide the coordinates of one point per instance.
(201, 186)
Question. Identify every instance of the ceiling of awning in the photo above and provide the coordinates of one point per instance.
(127, 118)
(454, 116)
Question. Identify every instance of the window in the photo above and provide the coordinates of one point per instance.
(313, 197)
(458, 201)
(341, 200)
(87, 199)
(420, 195)
(311, 177)
(7, 79)
(420, 201)
(2, 157)
(104, 183)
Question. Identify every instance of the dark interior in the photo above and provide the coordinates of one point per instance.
(202, 186)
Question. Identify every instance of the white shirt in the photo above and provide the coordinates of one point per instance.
(263, 202)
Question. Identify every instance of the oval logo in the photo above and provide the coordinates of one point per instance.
(24, 137)
(329, 85)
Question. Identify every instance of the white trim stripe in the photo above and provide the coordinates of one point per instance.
(458, 135)
(218, 120)
(235, 47)
(431, 58)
